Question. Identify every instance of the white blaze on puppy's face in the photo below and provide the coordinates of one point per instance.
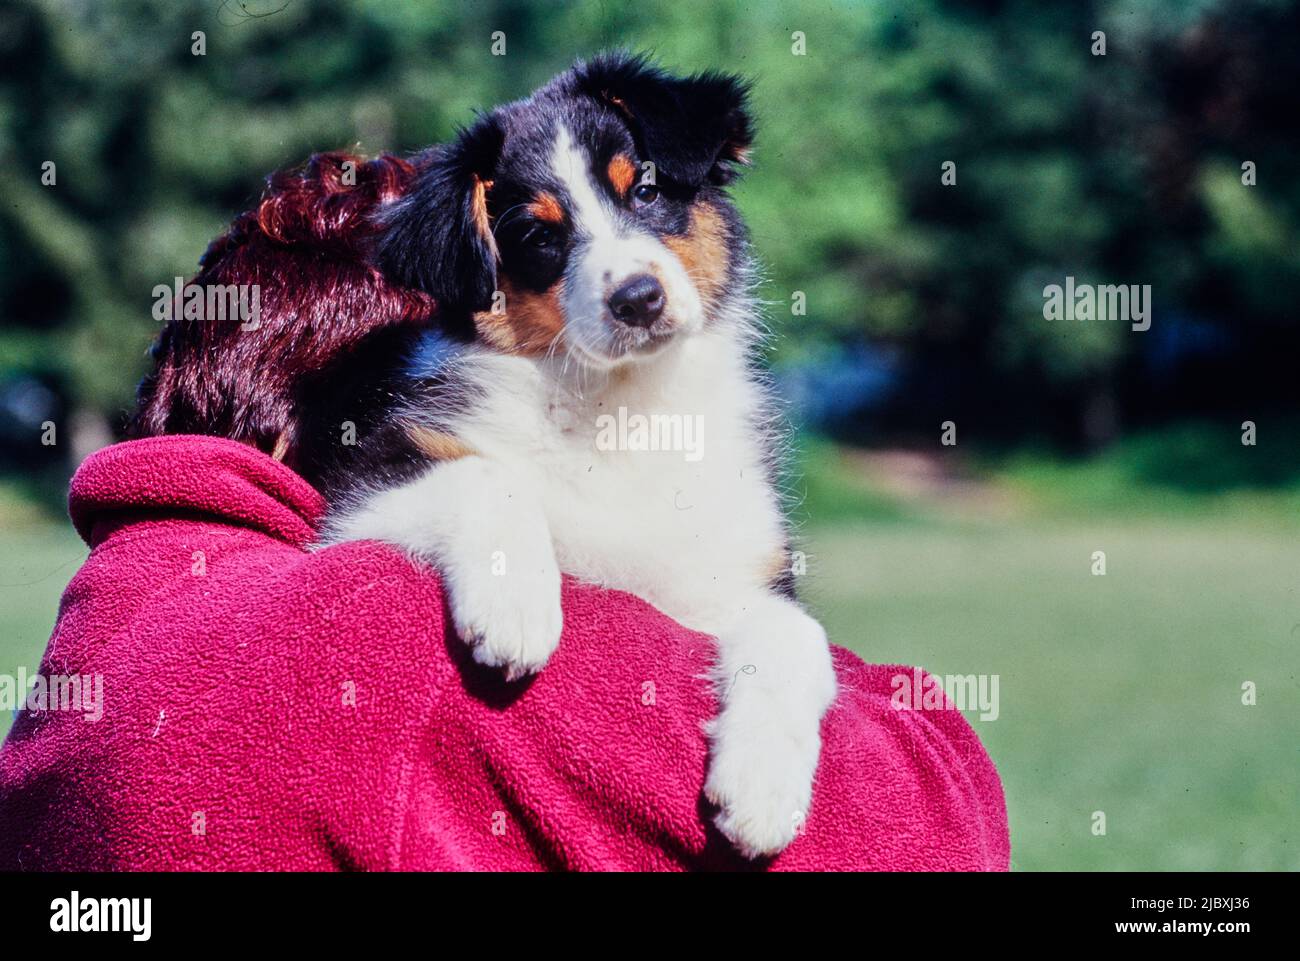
(606, 254)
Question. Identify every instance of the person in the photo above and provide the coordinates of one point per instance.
(267, 705)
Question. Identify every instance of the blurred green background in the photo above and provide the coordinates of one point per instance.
(924, 304)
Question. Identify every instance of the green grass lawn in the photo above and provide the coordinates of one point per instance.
(1118, 693)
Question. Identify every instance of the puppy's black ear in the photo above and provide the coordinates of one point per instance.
(438, 238)
(694, 128)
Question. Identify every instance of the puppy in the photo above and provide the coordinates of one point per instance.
(594, 286)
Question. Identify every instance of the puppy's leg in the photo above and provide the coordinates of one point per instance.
(776, 682)
(485, 530)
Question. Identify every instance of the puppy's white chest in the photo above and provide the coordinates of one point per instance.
(687, 528)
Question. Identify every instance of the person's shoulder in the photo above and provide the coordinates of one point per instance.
(254, 680)
(373, 571)
(362, 593)
(907, 702)
(258, 600)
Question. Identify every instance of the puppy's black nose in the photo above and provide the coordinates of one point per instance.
(639, 302)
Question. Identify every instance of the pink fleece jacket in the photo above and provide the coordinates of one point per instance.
(269, 707)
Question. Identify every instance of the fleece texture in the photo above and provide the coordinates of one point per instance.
(267, 706)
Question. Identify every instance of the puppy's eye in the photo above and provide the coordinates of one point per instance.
(644, 195)
(542, 236)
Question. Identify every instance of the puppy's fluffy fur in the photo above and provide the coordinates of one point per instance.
(586, 260)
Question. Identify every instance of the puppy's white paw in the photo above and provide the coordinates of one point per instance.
(762, 782)
(510, 620)
(777, 681)
(485, 530)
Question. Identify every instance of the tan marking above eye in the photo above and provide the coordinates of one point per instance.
(529, 325)
(621, 172)
(546, 207)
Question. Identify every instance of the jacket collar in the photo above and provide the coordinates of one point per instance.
(178, 476)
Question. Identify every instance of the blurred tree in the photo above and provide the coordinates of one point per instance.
(1123, 168)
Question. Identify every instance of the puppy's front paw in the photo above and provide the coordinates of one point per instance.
(777, 681)
(762, 781)
(485, 530)
(510, 619)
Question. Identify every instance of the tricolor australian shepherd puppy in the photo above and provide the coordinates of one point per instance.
(588, 267)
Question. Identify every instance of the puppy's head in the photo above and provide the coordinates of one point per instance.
(589, 218)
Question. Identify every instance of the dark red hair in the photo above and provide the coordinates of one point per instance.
(307, 246)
